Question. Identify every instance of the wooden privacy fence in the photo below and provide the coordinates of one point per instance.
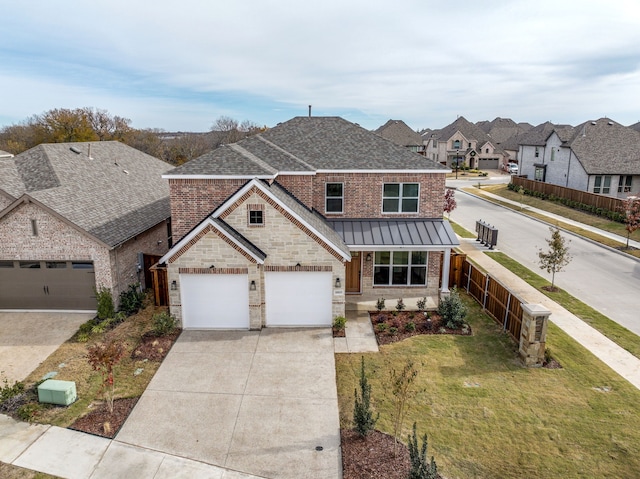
(598, 201)
(502, 305)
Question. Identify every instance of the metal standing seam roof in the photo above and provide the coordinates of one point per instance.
(406, 232)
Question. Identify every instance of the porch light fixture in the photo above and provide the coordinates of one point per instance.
(212, 266)
(338, 283)
(368, 257)
(174, 285)
(252, 286)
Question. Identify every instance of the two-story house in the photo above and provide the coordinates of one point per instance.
(400, 133)
(464, 144)
(282, 228)
(598, 156)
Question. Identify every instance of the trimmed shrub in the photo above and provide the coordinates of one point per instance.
(452, 310)
(131, 299)
(106, 309)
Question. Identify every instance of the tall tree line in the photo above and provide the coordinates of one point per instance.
(61, 125)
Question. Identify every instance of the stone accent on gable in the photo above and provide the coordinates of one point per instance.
(206, 230)
(285, 242)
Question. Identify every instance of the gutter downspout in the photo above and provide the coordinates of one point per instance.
(566, 184)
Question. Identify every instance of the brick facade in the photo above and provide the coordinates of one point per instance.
(193, 200)
(57, 240)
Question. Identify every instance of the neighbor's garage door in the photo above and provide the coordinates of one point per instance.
(299, 298)
(214, 301)
(487, 163)
(47, 285)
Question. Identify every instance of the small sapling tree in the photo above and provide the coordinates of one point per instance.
(362, 414)
(402, 390)
(449, 202)
(103, 357)
(631, 209)
(556, 257)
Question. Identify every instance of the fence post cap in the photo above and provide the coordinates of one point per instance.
(536, 310)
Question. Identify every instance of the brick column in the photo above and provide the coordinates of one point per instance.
(533, 334)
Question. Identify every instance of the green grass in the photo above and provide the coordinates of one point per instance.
(460, 231)
(564, 211)
(488, 417)
(614, 331)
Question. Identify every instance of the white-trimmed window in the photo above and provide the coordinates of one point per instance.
(400, 268)
(602, 184)
(334, 198)
(624, 184)
(400, 197)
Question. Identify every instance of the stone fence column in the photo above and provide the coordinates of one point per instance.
(533, 334)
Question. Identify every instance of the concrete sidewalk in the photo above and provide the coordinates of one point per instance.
(618, 359)
(76, 455)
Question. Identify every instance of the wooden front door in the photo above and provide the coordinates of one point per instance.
(353, 273)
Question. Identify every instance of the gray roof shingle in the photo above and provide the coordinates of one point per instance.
(116, 193)
(307, 144)
(400, 133)
(605, 147)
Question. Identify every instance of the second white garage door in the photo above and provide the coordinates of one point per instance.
(298, 298)
(214, 301)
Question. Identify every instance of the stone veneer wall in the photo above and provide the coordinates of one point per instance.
(56, 241)
(285, 243)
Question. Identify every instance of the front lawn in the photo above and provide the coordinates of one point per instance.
(488, 417)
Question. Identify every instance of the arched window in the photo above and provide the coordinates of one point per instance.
(456, 144)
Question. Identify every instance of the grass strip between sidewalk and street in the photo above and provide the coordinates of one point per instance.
(527, 201)
(615, 332)
(488, 416)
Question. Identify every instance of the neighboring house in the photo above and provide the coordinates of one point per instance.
(280, 229)
(464, 143)
(599, 156)
(75, 217)
(400, 133)
(503, 131)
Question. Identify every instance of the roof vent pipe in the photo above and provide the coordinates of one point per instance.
(90, 152)
(309, 111)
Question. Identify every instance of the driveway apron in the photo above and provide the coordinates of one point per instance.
(263, 403)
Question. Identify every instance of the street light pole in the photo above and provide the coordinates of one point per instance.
(457, 159)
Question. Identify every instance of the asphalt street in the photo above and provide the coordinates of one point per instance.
(599, 277)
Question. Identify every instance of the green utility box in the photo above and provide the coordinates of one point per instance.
(58, 392)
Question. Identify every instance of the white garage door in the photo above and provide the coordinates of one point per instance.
(214, 301)
(298, 298)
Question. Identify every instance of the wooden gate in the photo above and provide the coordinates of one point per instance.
(160, 285)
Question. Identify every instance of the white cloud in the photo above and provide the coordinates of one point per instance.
(421, 61)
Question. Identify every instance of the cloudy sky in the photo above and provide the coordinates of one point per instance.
(179, 65)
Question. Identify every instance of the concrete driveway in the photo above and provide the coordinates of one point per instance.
(262, 403)
(28, 338)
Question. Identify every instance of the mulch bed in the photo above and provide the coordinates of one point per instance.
(154, 348)
(393, 326)
(372, 457)
(101, 422)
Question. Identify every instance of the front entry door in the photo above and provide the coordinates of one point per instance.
(353, 273)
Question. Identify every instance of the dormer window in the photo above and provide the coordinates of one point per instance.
(456, 144)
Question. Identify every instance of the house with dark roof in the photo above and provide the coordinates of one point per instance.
(400, 133)
(75, 217)
(599, 156)
(464, 143)
(285, 227)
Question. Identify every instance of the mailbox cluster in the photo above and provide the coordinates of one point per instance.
(487, 234)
